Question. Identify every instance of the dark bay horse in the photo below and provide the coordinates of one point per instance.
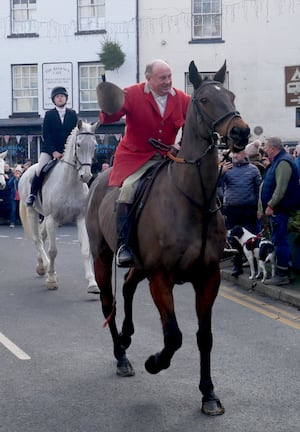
(180, 233)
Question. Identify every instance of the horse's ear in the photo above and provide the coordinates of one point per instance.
(79, 124)
(220, 75)
(194, 76)
(95, 126)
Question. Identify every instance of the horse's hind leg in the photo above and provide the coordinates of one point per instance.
(206, 293)
(161, 289)
(131, 280)
(87, 257)
(103, 274)
(38, 239)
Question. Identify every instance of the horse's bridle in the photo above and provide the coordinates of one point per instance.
(77, 160)
(212, 124)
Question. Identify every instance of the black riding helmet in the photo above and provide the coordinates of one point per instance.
(58, 90)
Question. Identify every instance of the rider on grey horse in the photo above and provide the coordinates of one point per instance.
(57, 126)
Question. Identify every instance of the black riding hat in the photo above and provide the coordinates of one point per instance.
(59, 90)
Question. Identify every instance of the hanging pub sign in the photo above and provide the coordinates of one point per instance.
(57, 75)
(292, 85)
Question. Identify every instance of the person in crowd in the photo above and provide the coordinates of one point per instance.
(240, 182)
(57, 126)
(153, 109)
(5, 202)
(104, 166)
(27, 164)
(13, 184)
(297, 158)
(279, 196)
(254, 155)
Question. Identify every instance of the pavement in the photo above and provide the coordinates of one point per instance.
(287, 293)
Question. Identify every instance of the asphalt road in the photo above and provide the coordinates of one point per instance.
(57, 372)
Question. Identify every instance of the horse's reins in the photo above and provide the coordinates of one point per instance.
(81, 164)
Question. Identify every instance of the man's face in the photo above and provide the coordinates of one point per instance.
(270, 151)
(160, 81)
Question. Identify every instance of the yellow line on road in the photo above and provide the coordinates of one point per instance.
(14, 349)
(262, 308)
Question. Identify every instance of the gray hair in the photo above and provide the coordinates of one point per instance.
(275, 142)
(150, 66)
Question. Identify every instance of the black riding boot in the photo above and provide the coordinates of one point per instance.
(124, 256)
(35, 187)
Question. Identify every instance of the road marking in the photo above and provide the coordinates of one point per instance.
(261, 307)
(14, 349)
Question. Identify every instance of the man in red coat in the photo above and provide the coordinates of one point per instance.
(153, 109)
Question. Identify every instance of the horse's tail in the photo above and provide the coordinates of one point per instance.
(24, 218)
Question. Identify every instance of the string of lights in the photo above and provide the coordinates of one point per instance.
(52, 29)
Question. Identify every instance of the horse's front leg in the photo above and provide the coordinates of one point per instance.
(38, 239)
(206, 293)
(51, 281)
(161, 288)
(131, 280)
(87, 257)
(103, 274)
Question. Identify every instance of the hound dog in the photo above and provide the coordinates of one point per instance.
(255, 247)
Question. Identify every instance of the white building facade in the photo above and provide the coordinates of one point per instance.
(48, 43)
(57, 43)
(259, 40)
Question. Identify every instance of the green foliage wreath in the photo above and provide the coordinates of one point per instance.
(111, 55)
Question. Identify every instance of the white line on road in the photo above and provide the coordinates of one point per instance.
(14, 349)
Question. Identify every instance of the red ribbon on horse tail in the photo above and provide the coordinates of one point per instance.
(110, 315)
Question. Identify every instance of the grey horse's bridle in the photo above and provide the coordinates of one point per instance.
(78, 164)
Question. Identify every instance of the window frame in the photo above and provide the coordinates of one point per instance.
(89, 89)
(189, 89)
(97, 23)
(24, 27)
(34, 97)
(204, 16)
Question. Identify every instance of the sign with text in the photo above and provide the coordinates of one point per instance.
(57, 75)
(292, 86)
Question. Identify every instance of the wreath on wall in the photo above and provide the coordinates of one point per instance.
(111, 55)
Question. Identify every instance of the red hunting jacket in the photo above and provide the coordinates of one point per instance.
(144, 121)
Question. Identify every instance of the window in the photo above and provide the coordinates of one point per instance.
(206, 19)
(91, 14)
(25, 88)
(90, 75)
(189, 89)
(23, 14)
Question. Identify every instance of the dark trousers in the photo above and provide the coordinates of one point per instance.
(246, 216)
(279, 235)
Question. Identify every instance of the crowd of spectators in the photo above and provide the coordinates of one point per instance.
(9, 197)
(246, 179)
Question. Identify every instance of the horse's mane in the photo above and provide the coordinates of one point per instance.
(71, 137)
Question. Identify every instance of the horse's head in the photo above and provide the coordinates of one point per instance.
(2, 173)
(215, 110)
(84, 149)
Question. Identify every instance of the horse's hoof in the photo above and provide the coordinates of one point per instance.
(124, 368)
(93, 289)
(52, 286)
(40, 269)
(212, 407)
(153, 365)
